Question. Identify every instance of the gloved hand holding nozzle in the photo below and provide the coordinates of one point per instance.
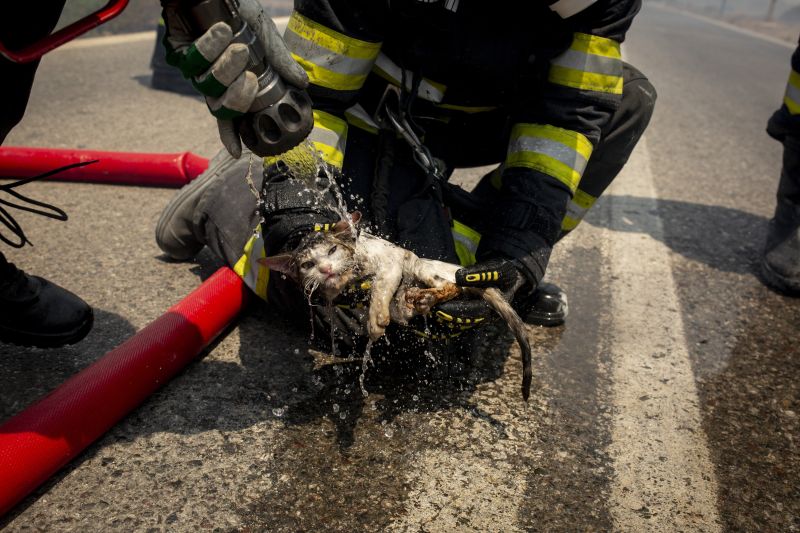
(233, 54)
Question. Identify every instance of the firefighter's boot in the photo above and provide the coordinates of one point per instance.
(780, 263)
(37, 312)
(546, 306)
(180, 230)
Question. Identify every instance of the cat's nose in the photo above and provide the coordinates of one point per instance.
(325, 269)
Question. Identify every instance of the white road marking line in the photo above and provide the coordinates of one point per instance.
(664, 479)
(108, 40)
(723, 24)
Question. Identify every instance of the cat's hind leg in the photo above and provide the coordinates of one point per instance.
(431, 273)
(384, 285)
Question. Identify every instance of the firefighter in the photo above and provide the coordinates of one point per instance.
(405, 92)
(780, 261)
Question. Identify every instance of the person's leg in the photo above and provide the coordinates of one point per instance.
(33, 311)
(616, 144)
(780, 264)
(547, 306)
(780, 260)
(21, 24)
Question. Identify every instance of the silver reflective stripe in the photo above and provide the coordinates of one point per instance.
(326, 137)
(426, 90)
(360, 113)
(589, 63)
(567, 8)
(793, 93)
(322, 57)
(549, 147)
(576, 212)
(471, 245)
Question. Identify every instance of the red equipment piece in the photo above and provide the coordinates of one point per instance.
(118, 168)
(41, 47)
(40, 440)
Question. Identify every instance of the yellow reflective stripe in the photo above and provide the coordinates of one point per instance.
(466, 241)
(329, 154)
(467, 109)
(547, 165)
(583, 200)
(334, 41)
(254, 275)
(592, 44)
(557, 152)
(329, 137)
(330, 122)
(327, 78)
(331, 59)
(568, 223)
(591, 63)
(792, 96)
(585, 81)
(576, 209)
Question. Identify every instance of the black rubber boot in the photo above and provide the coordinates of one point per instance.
(36, 312)
(547, 306)
(780, 263)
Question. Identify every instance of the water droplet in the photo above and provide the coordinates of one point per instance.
(415, 398)
(342, 415)
(389, 432)
(278, 411)
(335, 408)
(297, 351)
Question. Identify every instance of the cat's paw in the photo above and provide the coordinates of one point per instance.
(420, 301)
(375, 330)
(379, 318)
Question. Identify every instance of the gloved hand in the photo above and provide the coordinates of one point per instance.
(503, 274)
(217, 67)
(453, 317)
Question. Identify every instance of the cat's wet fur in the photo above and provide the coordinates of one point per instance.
(328, 262)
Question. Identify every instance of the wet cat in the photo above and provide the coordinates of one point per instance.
(403, 285)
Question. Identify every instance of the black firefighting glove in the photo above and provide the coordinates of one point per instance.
(454, 317)
(292, 207)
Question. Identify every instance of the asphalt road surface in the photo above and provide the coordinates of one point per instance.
(669, 401)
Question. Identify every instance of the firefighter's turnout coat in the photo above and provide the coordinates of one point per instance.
(529, 84)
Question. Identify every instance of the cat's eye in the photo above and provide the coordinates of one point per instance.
(307, 264)
(333, 249)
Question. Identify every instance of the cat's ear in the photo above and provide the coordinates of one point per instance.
(281, 263)
(342, 228)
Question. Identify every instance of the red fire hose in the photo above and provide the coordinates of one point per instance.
(40, 440)
(56, 39)
(120, 168)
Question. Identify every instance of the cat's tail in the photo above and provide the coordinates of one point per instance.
(495, 298)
